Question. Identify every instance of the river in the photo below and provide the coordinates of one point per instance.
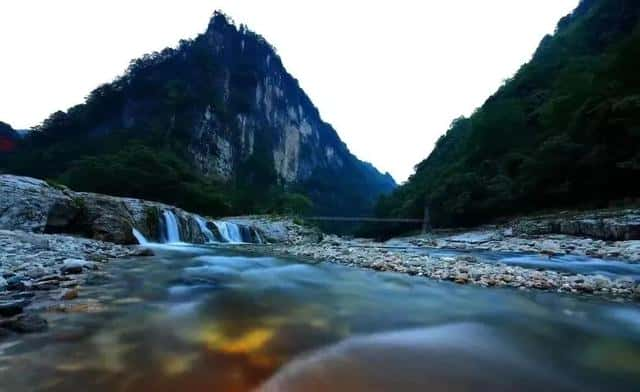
(207, 318)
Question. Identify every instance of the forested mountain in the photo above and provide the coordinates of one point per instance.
(563, 132)
(8, 140)
(216, 126)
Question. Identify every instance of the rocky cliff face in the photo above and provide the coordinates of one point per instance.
(227, 104)
(260, 116)
(298, 141)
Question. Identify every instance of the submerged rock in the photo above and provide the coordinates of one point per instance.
(143, 252)
(26, 323)
(69, 294)
(15, 283)
(459, 357)
(12, 307)
(39, 277)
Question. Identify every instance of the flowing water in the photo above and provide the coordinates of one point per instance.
(201, 318)
(208, 234)
(171, 225)
(139, 237)
(230, 232)
(564, 263)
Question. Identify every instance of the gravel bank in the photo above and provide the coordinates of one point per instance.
(462, 269)
(553, 244)
(43, 273)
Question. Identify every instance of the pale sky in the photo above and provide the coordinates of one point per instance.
(390, 76)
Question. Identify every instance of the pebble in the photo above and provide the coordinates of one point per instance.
(43, 270)
(75, 266)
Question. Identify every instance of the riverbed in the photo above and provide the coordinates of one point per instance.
(204, 318)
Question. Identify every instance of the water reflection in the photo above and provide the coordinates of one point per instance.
(200, 318)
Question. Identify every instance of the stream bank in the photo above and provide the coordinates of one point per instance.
(560, 263)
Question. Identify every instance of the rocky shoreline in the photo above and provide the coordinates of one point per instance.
(46, 273)
(403, 256)
(503, 240)
(42, 273)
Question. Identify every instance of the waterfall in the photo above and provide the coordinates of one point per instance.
(230, 232)
(169, 231)
(139, 236)
(205, 230)
(171, 225)
(259, 239)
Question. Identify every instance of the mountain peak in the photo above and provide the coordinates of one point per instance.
(220, 22)
(224, 109)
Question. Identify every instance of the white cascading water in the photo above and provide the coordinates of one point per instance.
(142, 240)
(171, 224)
(230, 232)
(259, 239)
(205, 230)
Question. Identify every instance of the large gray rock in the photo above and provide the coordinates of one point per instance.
(33, 205)
(107, 218)
(26, 204)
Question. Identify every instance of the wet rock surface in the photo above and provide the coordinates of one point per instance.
(41, 273)
(10, 308)
(26, 323)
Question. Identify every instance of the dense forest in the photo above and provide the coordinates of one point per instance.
(563, 132)
(215, 126)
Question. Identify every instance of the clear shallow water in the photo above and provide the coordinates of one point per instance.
(563, 263)
(206, 319)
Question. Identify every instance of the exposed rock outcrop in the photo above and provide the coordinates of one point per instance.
(609, 225)
(33, 205)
